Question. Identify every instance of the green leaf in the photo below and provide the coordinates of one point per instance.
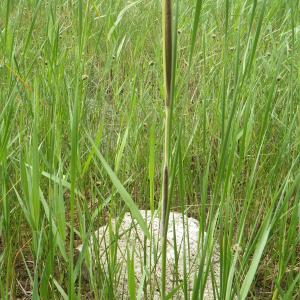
(61, 290)
(131, 276)
(195, 28)
(255, 262)
(122, 191)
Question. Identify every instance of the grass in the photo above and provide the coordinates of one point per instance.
(81, 139)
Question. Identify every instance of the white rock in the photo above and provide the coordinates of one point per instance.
(131, 238)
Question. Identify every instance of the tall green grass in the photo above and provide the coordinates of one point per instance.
(82, 140)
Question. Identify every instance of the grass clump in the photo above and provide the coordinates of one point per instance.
(81, 138)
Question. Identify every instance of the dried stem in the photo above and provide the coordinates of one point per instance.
(167, 52)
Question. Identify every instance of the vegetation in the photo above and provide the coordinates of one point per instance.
(82, 139)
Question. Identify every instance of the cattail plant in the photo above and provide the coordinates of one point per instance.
(167, 62)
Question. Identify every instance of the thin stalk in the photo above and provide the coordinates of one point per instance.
(167, 57)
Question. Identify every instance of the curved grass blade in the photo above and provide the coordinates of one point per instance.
(195, 28)
(122, 191)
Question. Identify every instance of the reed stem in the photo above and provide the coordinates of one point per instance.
(167, 60)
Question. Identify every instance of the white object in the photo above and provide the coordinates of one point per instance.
(130, 241)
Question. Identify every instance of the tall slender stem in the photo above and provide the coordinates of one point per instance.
(167, 57)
